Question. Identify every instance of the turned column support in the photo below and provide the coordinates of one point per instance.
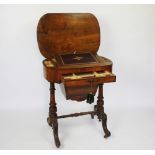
(52, 119)
(52, 108)
(100, 111)
(100, 103)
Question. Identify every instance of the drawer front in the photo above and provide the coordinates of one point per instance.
(99, 77)
(78, 86)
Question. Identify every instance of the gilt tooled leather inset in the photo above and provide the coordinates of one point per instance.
(79, 58)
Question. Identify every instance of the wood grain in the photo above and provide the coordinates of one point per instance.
(68, 32)
(61, 33)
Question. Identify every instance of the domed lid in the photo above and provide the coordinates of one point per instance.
(60, 33)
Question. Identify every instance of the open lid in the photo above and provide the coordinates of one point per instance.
(60, 33)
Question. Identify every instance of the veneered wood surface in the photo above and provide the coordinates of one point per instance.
(68, 32)
(78, 89)
(65, 33)
(54, 74)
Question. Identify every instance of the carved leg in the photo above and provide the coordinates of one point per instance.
(104, 125)
(100, 112)
(95, 109)
(52, 119)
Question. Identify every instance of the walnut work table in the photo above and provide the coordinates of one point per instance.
(69, 42)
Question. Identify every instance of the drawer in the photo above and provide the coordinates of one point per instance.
(78, 86)
(99, 77)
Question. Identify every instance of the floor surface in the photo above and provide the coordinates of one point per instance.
(131, 129)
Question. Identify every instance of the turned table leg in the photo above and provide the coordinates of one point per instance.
(100, 111)
(52, 119)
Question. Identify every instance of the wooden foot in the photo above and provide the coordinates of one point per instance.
(49, 121)
(92, 116)
(55, 133)
(54, 125)
(100, 112)
(95, 109)
(52, 119)
(104, 125)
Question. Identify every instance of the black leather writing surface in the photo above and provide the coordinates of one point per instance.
(78, 58)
